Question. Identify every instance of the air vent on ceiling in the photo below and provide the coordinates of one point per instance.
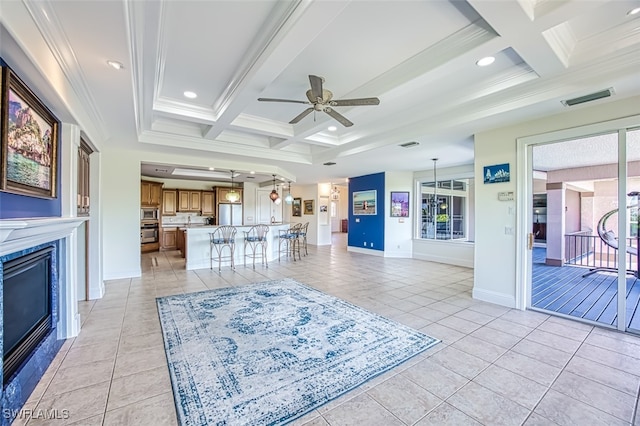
(329, 163)
(588, 98)
(162, 170)
(209, 174)
(409, 144)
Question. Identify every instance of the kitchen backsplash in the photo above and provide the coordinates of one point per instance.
(181, 218)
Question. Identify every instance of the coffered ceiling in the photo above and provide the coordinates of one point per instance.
(417, 57)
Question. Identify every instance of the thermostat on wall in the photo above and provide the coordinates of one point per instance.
(506, 196)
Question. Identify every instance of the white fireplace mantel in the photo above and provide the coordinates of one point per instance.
(22, 234)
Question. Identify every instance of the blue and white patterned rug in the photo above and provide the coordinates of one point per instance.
(267, 353)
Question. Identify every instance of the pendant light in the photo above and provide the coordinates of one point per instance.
(435, 200)
(289, 198)
(274, 194)
(232, 195)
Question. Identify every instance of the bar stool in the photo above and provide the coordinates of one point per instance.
(256, 237)
(223, 236)
(290, 238)
(303, 235)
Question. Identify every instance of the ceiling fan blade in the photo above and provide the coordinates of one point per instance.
(316, 86)
(300, 116)
(282, 100)
(341, 118)
(354, 102)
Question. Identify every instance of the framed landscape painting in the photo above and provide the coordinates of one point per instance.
(364, 202)
(296, 207)
(29, 141)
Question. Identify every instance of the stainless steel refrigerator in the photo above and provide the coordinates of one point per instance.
(228, 211)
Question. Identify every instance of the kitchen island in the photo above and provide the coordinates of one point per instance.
(198, 251)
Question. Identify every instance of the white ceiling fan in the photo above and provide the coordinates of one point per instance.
(322, 100)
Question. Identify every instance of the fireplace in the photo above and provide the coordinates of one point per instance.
(27, 301)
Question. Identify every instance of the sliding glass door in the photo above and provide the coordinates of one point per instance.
(582, 223)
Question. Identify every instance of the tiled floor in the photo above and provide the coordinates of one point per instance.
(496, 366)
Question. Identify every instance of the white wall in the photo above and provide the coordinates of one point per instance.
(324, 229)
(121, 213)
(495, 277)
(309, 192)
(398, 231)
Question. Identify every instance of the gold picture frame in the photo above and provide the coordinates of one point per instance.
(29, 141)
(308, 206)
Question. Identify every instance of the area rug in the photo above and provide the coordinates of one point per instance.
(267, 353)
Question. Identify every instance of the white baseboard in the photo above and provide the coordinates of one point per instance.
(444, 259)
(398, 254)
(117, 275)
(365, 251)
(494, 297)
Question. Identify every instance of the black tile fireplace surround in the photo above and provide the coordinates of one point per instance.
(27, 303)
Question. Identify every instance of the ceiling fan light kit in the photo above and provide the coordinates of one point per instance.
(321, 100)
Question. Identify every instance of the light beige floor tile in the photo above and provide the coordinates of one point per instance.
(446, 414)
(531, 368)
(405, 399)
(555, 341)
(513, 386)
(499, 338)
(604, 398)
(135, 343)
(509, 327)
(157, 410)
(473, 316)
(80, 376)
(136, 362)
(565, 329)
(617, 342)
(435, 378)
(487, 406)
(460, 362)
(567, 411)
(529, 319)
(361, 410)
(609, 358)
(479, 348)
(612, 377)
(80, 404)
(446, 334)
(536, 419)
(137, 387)
(459, 324)
(89, 354)
(543, 353)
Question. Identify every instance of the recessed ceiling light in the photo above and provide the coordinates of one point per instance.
(634, 11)
(485, 61)
(211, 168)
(115, 65)
(252, 172)
(190, 95)
(332, 128)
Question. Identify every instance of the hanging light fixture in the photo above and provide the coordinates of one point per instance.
(232, 195)
(289, 198)
(274, 194)
(435, 200)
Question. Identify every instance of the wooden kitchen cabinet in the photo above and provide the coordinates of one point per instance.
(150, 193)
(169, 202)
(180, 241)
(221, 194)
(189, 201)
(169, 238)
(207, 203)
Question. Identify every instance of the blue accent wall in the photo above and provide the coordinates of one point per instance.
(367, 231)
(18, 206)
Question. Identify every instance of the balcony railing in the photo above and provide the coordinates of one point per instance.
(591, 252)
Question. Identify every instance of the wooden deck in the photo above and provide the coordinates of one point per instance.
(563, 290)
